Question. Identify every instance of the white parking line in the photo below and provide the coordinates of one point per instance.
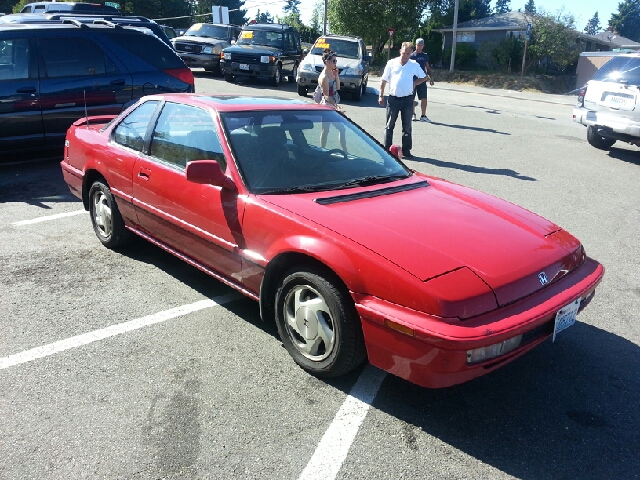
(334, 446)
(49, 217)
(90, 337)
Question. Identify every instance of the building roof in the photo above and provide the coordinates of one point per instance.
(611, 39)
(515, 21)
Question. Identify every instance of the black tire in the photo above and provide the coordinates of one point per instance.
(598, 141)
(277, 77)
(324, 335)
(228, 77)
(105, 217)
(302, 90)
(356, 95)
(292, 78)
(217, 71)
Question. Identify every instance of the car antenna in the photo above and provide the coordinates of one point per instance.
(86, 115)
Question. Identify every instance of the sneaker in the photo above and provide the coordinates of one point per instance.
(415, 119)
(424, 118)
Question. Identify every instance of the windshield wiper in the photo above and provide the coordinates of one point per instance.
(370, 180)
(302, 189)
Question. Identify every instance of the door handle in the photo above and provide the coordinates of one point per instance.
(26, 90)
(144, 174)
(118, 82)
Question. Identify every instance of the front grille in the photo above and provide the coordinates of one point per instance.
(244, 58)
(188, 47)
(540, 331)
(319, 69)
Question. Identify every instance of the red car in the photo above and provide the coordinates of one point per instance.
(354, 255)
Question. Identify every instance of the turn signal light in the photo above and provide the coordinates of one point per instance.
(399, 328)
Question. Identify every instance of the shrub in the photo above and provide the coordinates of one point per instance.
(465, 55)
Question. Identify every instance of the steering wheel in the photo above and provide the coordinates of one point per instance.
(337, 150)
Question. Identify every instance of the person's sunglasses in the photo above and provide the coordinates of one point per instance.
(334, 60)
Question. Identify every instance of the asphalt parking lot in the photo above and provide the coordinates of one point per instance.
(131, 364)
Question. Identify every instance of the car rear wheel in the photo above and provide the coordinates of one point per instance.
(318, 323)
(597, 140)
(302, 90)
(105, 217)
(277, 77)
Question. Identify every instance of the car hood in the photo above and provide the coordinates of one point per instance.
(316, 61)
(255, 49)
(441, 227)
(200, 40)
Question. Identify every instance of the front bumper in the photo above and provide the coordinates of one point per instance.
(608, 120)
(206, 61)
(251, 70)
(310, 80)
(435, 355)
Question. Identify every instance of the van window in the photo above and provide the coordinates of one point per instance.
(151, 49)
(74, 57)
(14, 59)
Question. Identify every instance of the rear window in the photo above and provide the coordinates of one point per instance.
(151, 50)
(620, 70)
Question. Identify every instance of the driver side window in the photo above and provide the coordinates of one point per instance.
(132, 130)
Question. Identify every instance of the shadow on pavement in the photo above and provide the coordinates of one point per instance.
(34, 183)
(628, 156)
(467, 127)
(471, 168)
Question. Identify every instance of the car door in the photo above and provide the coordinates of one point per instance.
(77, 78)
(201, 221)
(20, 116)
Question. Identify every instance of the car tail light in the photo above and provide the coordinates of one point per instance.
(581, 94)
(183, 74)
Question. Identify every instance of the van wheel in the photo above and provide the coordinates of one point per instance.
(597, 140)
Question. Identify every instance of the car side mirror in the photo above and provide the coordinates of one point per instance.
(208, 172)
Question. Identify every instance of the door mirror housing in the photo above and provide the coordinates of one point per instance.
(208, 172)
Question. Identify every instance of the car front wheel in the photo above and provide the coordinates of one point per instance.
(292, 78)
(105, 217)
(277, 76)
(302, 91)
(318, 323)
(597, 140)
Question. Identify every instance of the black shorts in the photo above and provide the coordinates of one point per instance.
(421, 90)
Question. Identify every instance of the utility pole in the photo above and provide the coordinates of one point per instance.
(324, 23)
(454, 35)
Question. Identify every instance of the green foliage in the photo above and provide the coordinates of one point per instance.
(465, 56)
(530, 7)
(554, 37)
(263, 17)
(593, 25)
(508, 53)
(17, 6)
(627, 21)
(503, 6)
(291, 6)
(370, 20)
(441, 11)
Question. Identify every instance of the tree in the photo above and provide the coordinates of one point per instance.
(291, 6)
(593, 25)
(627, 21)
(503, 6)
(530, 7)
(553, 38)
(370, 19)
(317, 17)
(263, 17)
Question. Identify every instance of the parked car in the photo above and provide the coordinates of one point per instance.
(264, 50)
(202, 43)
(52, 74)
(169, 32)
(609, 104)
(141, 23)
(353, 65)
(69, 7)
(354, 255)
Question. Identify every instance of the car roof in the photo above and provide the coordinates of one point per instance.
(276, 27)
(342, 37)
(235, 103)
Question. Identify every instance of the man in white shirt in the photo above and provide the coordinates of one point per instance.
(399, 74)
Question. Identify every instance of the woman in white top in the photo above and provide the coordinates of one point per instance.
(329, 80)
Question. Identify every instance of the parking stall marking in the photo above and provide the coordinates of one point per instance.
(336, 442)
(111, 331)
(49, 217)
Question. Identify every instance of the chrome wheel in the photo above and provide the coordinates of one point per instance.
(309, 323)
(102, 217)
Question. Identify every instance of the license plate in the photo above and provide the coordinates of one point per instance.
(566, 317)
(244, 66)
(618, 100)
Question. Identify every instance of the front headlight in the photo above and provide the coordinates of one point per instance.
(208, 50)
(227, 55)
(264, 59)
(353, 71)
(306, 67)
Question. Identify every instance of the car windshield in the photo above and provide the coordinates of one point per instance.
(281, 152)
(344, 48)
(207, 31)
(620, 70)
(260, 37)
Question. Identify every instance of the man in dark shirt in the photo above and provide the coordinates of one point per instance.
(421, 90)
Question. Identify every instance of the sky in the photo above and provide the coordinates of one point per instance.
(582, 10)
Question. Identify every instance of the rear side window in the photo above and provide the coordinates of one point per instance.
(150, 49)
(14, 59)
(132, 130)
(620, 70)
(74, 57)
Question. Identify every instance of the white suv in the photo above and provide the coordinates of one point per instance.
(609, 104)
